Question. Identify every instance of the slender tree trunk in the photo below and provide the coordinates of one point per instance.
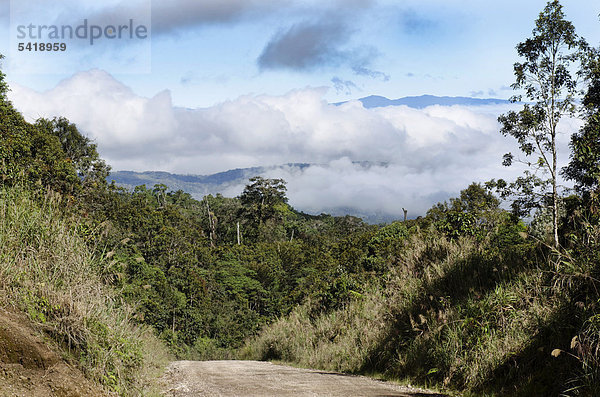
(554, 195)
(211, 225)
(553, 135)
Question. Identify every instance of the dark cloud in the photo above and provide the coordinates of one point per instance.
(180, 15)
(308, 46)
(344, 86)
(414, 23)
(176, 15)
(173, 15)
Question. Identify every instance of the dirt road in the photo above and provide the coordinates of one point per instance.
(257, 378)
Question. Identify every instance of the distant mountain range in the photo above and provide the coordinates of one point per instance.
(229, 183)
(193, 184)
(196, 185)
(420, 102)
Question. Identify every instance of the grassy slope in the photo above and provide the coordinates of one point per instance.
(47, 271)
(460, 315)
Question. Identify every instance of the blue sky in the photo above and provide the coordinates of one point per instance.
(208, 51)
(221, 84)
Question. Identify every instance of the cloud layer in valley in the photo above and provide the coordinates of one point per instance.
(415, 157)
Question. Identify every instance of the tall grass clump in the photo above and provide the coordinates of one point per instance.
(48, 271)
(336, 341)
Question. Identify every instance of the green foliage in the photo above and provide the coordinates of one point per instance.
(584, 167)
(459, 223)
(178, 260)
(264, 194)
(392, 232)
(49, 272)
(384, 245)
(263, 208)
(77, 149)
(474, 213)
(47, 154)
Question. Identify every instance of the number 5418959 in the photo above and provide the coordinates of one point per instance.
(42, 46)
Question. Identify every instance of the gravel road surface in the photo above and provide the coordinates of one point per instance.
(258, 378)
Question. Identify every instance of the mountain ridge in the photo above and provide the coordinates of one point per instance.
(229, 183)
(423, 101)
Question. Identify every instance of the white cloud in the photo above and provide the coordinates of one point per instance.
(417, 157)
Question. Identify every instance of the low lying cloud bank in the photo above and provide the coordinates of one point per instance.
(412, 158)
